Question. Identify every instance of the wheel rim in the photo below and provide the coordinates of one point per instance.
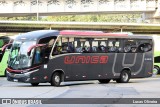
(125, 76)
(57, 79)
(155, 71)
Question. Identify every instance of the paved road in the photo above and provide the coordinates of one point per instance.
(136, 88)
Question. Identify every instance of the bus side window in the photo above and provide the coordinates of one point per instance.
(49, 41)
(86, 47)
(145, 47)
(94, 46)
(71, 45)
(130, 46)
(77, 46)
(57, 47)
(113, 46)
(102, 48)
(38, 55)
(63, 45)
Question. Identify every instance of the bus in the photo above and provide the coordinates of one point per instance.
(51, 56)
(156, 69)
(4, 40)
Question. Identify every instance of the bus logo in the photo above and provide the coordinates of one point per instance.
(85, 59)
(6, 101)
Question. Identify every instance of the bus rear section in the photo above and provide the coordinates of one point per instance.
(81, 55)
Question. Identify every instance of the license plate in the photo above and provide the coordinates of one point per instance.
(15, 80)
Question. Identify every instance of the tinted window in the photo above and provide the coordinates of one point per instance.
(137, 45)
(113, 45)
(130, 45)
(63, 45)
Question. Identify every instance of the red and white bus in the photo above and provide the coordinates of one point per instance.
(56, 56)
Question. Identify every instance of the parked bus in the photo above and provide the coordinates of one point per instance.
(55, 56)
(156, 69)
(4, 40)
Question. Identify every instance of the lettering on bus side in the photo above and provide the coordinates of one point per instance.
(85, 59)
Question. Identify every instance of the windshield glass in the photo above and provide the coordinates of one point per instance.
(18, 57)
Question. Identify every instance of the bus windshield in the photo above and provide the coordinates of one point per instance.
(18, 55)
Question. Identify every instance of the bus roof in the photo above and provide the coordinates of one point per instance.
(36, 35)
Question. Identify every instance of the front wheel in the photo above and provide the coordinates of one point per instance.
(124, 77)
(104, 81)
(56, 79)
(34, 84)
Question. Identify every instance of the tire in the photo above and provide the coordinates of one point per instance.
(104, 81)
(124, 77)
(155, 70)
(56, 79)
(34, 84)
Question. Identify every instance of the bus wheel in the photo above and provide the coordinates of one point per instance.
(155, 70)
(124, 77)
(56, 79)
(104, 81)
(34, 84)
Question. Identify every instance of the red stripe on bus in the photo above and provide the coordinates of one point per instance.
(11, 70)
(82, 33)
(37, 45)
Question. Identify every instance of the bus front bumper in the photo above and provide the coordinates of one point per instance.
(25, 77)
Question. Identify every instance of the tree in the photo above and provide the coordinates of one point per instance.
(127, 18)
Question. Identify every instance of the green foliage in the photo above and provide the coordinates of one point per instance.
(128, 18)
(124, 18)
(30, 18)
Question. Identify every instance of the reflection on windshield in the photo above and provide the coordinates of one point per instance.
(18, 54)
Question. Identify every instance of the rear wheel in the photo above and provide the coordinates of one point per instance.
(124, 77)
(155, 70)
(104, 81)
(34, 84)
(56, 79)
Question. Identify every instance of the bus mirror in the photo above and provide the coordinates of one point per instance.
(6, 46)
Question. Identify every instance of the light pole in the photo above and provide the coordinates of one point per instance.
(37, 10)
